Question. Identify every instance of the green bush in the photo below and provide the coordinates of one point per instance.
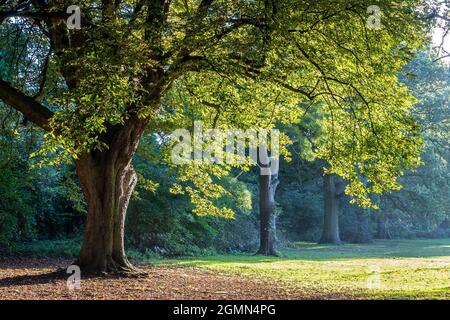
(52, 248)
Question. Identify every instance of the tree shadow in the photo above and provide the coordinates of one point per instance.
(42, 278)
(61, 274)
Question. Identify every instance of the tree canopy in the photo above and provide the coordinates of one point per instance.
(139, 66)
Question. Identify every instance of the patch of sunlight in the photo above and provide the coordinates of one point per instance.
(440, 246)
(405, 269)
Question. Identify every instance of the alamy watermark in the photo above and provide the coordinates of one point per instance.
(74, 280)
(74, 20)
(374, 279)
(374, 20)
(232, 147)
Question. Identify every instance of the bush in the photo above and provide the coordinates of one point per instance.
(52, 248)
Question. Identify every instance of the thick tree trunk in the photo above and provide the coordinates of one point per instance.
(267, 187)
(330, 232)
(108, 180)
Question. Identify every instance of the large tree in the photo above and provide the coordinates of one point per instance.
(152, 64)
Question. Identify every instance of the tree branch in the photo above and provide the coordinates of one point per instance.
(42, 15)
(30, 108)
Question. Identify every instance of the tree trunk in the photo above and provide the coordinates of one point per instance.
(107, 179)
(330, 232)
(362, 226)
(382, 231)
(268, 184)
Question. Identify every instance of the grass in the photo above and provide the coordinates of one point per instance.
(404, 269)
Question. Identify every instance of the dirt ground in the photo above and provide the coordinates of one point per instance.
(35, 278)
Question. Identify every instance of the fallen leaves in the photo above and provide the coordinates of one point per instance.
(35, 278)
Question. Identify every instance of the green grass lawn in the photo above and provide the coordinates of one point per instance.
(405, 269)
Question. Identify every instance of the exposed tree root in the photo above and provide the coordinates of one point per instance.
(110, 267)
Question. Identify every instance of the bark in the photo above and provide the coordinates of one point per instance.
(30, 109)
(268, 184)
(362, 226)
(330, 232)
(382, 230)
(108, 180)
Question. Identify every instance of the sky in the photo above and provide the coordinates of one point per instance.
(439, 34)
(437, 39)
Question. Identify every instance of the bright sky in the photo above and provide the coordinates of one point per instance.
(437, 40)
(439, 34)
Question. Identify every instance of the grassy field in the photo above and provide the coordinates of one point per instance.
(406, 269)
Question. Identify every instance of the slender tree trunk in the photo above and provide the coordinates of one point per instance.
(382, 231)
(268, 184)
(330, 232)
(107, 179)
(362, 224)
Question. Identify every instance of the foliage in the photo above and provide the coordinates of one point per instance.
(316, 71)
(243, 64)
(51, 248)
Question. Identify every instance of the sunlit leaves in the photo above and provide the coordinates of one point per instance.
(246, 64)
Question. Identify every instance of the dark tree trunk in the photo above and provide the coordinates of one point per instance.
(330, 232)
(382, 230)
(362, 226)
(108, 180)
(267, 187)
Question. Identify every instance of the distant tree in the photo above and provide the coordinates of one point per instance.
(268, 184)
(421, 206)
(333, 191)
(382, 226)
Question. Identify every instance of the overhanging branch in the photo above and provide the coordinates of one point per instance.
(42, 15)
(30, 108)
